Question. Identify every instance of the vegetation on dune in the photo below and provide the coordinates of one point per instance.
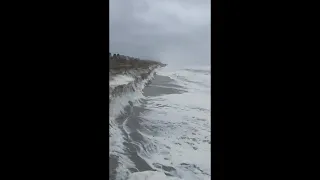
(121, 62)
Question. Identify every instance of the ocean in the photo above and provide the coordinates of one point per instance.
(160, 127)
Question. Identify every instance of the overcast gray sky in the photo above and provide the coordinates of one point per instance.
(172, 31)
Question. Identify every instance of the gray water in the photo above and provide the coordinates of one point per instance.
(160, 132)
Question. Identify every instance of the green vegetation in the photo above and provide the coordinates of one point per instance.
(119, 62)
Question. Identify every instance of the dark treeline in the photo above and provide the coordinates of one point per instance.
(118, 61)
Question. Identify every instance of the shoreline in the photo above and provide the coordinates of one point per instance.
(139, 70)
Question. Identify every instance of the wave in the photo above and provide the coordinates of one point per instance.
(126, 90)
(161, 131)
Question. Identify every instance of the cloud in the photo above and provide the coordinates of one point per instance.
(172, 31)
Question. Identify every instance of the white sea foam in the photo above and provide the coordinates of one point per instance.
(120, 80)
(117, 105)
(151, 175)
(183, 127)
(178, 125)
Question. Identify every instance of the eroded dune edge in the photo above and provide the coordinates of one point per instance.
(127, 73)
